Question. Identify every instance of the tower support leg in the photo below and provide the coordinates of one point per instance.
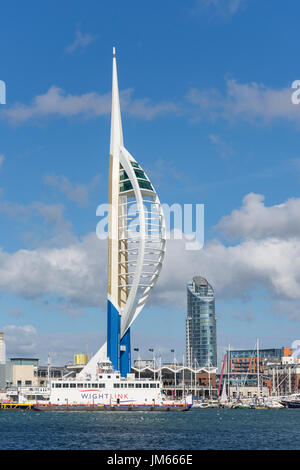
(125, 354)
(113, 335)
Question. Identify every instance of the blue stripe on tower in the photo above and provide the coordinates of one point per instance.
(113, 335)
(125, 359)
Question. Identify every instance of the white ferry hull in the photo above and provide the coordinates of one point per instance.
(109, 397)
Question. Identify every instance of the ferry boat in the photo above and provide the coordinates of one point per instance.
(107, 388)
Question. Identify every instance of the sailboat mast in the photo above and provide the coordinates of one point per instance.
(221, 376)
(257, 365)
(228, 369)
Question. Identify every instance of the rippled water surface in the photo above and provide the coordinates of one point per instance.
(195, 429)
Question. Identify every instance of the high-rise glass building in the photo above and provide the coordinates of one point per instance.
(201, 331)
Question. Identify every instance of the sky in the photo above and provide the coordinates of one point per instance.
(205, 89)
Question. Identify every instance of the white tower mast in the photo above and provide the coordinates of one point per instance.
(136, 243)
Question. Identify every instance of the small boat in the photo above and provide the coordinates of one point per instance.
(201, 404)
(273, 404)
(291, 403)
(240, 406)
(206, 404)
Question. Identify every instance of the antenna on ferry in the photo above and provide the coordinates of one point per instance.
(87, 348)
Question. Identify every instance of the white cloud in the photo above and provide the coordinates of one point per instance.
(227, 6)
(218, 8)
(56, 102)
(75, 272)
(76, 192)
(224, 149)
(78, 272)
(251, 102)
(20, 340)
(234, 271)
(26, 341)
(81, 41)
(55, 231)
(255, 220)
(267, 257)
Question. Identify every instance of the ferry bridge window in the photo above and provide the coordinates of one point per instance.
(138, 385)
(101, 385)
(72, 385)
(130, 385)
(65, 385)
(152, 385)
(95, 385)
(80, 385)
(145, 385)
(58, 385)
(116, 385)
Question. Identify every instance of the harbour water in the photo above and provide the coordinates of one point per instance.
(215, 429)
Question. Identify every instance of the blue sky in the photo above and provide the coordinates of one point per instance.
(206, 104)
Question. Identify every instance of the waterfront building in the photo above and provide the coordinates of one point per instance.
(179, 379)
(284, 375)
(19, 372)
(136, 244)
(26, 372)
(201, 334)
(5, 375)
(246, 360)
(262, 372)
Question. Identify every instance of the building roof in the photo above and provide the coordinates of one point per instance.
(200, 281)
